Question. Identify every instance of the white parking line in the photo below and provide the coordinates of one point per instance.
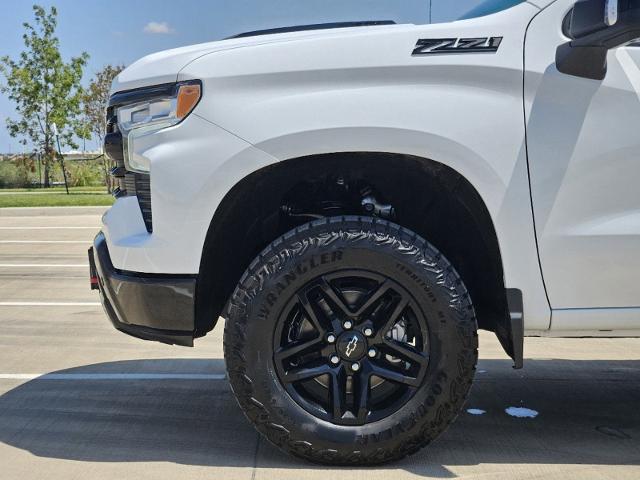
(50, 228)
(50, 304)
(86, 242)
(111, 376)
(44, 265)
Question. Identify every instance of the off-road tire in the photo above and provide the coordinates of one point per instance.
(408, 259)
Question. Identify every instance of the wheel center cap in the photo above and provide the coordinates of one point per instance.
(351, 346)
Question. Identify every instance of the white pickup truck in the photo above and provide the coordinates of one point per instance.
(357, 200)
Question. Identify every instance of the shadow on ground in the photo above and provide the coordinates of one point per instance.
(589, 413)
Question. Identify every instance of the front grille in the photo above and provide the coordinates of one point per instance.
(130, 184)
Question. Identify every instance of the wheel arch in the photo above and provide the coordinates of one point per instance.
(452, 215)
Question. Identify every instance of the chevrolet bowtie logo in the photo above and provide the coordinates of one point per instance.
(351, 346)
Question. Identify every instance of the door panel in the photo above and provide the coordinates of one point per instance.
(584, 158)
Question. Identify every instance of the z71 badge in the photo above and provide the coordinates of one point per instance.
(457, 45)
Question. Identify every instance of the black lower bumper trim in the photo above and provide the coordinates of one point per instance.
(158, 308)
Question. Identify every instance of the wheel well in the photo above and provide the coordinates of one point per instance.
(427, 197)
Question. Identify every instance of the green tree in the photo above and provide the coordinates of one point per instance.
(46, 90)
(94, 103)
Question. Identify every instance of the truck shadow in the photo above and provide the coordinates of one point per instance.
(588, 414)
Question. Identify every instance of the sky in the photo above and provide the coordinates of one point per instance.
(122, 31)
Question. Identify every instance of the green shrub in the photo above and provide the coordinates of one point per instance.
(23, 173)
(85, 174)
(14, 174)
(80, 173)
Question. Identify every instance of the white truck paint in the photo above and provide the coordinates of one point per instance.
(583, 155)
(277, 97)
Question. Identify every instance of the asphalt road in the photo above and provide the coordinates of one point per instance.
(79, 400)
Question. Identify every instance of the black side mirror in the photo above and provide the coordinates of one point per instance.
(589, 16)
(595, 27)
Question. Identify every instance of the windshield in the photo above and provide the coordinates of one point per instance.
(487, 7)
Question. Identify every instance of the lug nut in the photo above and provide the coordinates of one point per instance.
(355, 367)
(334, 359)
(372, 352)
(331, 338)
(368, 331)
(347, 325)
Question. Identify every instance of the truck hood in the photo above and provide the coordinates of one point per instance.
(163, 67)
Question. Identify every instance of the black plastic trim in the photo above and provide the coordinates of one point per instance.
(152, 307)
(142, 187)
(516, 314)
(317, 26)
(113, 147)
(118, 172)
(137, 95)
(586, 57)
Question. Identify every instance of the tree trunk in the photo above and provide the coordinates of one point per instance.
(46, 161)
(107, 177)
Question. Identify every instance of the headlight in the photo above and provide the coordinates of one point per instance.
(146, 117)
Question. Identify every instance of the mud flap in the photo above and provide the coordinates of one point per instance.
(510, 330)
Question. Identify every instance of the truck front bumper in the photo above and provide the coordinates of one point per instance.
(152, 307)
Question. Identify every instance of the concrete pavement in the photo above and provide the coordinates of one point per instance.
(124, 408)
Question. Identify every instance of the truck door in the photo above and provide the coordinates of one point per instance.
(583, 139)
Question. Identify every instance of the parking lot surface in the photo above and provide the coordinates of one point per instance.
(79, 400)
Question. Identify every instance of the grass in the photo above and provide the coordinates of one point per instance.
(56, 189)
(55, 197)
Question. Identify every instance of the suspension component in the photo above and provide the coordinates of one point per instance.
(372, 206)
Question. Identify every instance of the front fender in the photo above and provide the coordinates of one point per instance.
(363, 91)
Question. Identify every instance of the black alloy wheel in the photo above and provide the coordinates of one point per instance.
(351, 347)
